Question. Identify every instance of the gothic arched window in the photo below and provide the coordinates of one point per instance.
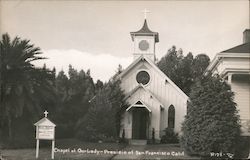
(171, 116)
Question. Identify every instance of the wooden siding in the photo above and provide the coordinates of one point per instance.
(241, 89)
(161, 90)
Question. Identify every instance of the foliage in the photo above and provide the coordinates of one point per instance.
(24, 88)
(242, 147)
(211, 123)
(183, 70)
(153, 135)
(74, 93)
(169, 63)
(26, 91)
(200, 63)
(170, 136)
(103, 118)
(123, 139)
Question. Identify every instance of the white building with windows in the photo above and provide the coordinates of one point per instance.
(233, 65)
(155, 101)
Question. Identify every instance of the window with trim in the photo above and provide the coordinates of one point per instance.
(143, 77)
(171, 116)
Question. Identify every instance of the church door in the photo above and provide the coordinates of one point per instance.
(140, 123)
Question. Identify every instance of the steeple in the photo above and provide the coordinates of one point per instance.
(144, 42)
(145, 31)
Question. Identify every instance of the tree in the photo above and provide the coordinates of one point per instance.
(183, 70)
(62, 87)
(177, 67)
(102, 121)
(74, 92)
(23, 87)
(169, 64)
(211, 123)
(99, 85)
(200, 63)
(184, 73)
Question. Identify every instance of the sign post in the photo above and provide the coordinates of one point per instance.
(37, 148)
(53, 147)
(45, 130)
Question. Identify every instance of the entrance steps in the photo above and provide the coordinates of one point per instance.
(137, 142)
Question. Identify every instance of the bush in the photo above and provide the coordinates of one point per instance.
(102, 121)
(170, 136)
(242, 148)
(123, 139)
(17, 143)
(153, 135)
(211, 123)
(64, 131)
(23, 135)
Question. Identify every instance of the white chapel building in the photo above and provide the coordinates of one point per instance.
(155, 101)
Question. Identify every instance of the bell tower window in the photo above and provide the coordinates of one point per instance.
(144, 42)
(143, 45)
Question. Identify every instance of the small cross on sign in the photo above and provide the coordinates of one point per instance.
(145, 11)
(46, 113)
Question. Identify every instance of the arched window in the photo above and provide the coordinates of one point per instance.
(171, 116)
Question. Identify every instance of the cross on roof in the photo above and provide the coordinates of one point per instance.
(145, 11)
(46, 113)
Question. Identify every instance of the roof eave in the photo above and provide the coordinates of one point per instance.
(155, 34)
(157, 69)
(220, 55)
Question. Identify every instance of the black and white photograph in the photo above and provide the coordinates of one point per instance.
(124, 80)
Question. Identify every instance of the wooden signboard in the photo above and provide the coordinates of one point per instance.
(45, 130)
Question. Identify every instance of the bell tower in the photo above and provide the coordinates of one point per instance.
(144, 41)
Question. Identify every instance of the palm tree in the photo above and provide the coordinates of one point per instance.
(22, 86)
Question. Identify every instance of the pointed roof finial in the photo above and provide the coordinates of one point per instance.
(145, 31)
(46, 113)
(145, 11)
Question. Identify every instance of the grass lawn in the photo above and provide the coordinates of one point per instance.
(80, 147)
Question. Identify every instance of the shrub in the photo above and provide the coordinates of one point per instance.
(23, 135)
(170, 136)
(211, 123)
(153, 135)
(123, 139)
(102, 121)
(242, 147)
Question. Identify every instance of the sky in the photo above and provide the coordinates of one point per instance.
(95, 35)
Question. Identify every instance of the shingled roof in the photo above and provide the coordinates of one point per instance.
(243, 48)
(145, 31)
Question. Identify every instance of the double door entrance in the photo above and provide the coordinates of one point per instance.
(140, 123)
